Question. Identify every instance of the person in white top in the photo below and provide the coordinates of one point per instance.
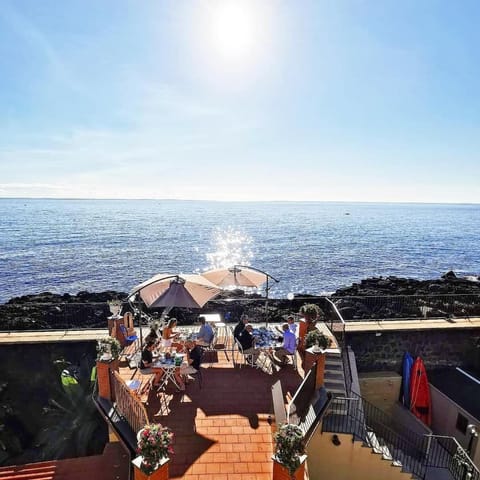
(291, 324)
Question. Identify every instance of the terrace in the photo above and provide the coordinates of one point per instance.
(223, 427)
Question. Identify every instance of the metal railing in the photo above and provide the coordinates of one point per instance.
(446, 452)
(358, 308)
(356, 416)
(415, 452)
(64, 315)
(127, 405)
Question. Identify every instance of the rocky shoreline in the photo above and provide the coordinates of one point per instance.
(372, 298)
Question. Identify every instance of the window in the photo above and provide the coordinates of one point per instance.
(462, 423)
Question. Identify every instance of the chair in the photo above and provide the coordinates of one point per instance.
(129, 339)
(221, 340)
(209, 348)
(247, 359)
(198, 373)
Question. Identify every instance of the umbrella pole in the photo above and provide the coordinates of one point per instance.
(140, 325)
(266, 304)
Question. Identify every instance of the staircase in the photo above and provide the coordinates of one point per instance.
(414, 455)
(334, 377)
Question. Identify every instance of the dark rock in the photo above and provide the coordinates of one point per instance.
(449, 275)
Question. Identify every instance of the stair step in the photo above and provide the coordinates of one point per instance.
(334, 375)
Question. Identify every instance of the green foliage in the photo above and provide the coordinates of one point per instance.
(311, 310)
(72, 426)
(316, 337)
(108, 345)
(154, 443)
(10, 444)
(289, 446)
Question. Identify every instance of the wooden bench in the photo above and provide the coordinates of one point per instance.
(140, 385)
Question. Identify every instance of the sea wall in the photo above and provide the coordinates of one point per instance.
(438, 348)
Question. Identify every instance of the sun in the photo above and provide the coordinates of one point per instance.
(233, 30)
(232, 36)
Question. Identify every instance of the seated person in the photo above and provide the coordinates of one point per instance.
(289, 345)
(168, 334)
(194, 358)
(152, 336)
(146, 362)
(247, 341)
(291, 325)
(240, 326)
(205, 334)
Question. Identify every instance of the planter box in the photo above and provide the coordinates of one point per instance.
(161, 473)
(312, 357)
(281, 473)
(103, 378)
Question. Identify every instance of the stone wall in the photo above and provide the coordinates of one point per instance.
(438, 348)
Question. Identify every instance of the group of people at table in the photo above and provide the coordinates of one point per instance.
(246, 336)
(169, 343)
(190, 347)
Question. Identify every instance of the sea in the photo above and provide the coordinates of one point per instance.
(67, 246)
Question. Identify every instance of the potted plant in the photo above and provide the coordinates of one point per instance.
(108, 349)
(154, 449)
(310, 311)
(289, 458)
(315, 338)
(108, 353)
(115, 307)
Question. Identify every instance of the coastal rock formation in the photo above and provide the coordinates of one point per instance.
(372, 298)
(394, 297)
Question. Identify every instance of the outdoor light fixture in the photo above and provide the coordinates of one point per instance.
(336, 441)
(472, 430)
(378, 334)
(290, 296)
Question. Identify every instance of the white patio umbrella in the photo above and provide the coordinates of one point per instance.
(181, 290)
(236, 276)
(241, 276)
(168, 290)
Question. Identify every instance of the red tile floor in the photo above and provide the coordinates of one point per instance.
(222, 428)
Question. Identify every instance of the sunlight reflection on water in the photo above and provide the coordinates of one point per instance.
(230, 247)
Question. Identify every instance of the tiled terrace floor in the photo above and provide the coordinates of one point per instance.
(222, 429)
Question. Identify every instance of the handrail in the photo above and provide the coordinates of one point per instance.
(409, 307)
(357, 418)
(127, 405)
(105, 416)
(446, 451)
(414, 451)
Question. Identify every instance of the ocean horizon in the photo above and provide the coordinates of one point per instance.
(70, 245)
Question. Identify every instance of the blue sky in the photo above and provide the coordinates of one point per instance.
(240, 100)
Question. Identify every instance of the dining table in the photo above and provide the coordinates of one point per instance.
(167, 365)
(266, 340)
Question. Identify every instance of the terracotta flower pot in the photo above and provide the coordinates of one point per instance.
(281, 473)
(161, 473)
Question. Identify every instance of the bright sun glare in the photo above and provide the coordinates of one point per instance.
(233, 36)
(232, 29)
